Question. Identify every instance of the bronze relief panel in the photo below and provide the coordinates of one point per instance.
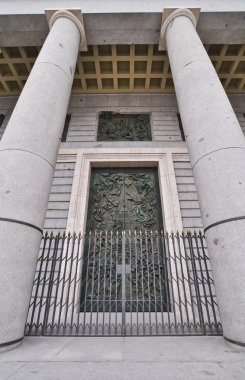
(123, 271)
(124, 199)
(124, 127)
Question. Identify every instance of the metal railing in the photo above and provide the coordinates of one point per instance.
(123, 283)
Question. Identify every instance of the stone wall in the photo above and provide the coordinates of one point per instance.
(59, 200)
(82, 132)
(188, 199)
(85, 109)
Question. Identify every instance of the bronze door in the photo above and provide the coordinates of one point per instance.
(124, 199)
(123, 270)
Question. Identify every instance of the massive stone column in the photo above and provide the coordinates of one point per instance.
(217, 151)
(28, 152)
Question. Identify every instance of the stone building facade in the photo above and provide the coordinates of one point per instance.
(56, 86)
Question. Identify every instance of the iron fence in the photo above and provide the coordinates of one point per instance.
(123, 283)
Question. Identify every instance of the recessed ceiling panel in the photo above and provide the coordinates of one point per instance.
(122, 69)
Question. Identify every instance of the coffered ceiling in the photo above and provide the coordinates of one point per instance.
(122, 69)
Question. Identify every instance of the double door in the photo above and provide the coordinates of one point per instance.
(124, 199)
(124, 269)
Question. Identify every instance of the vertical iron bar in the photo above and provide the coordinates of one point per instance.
(45, 238)
(75, 280)
(78, 305)
(104, 281)
(160, 275)
(177, 280)
(92, 282)
(78, 279)
(136, 281)
(171, 282)
(130, 282)
(111, 283)
(208, 280)
(60, 258)
(148, 280)
(85, 281)
(189, 281)
(98, 285)
(116, 276)
(50, 285)
(154, 280)
(196, 284)
(64, 280)
(183, 280)
(44, 284)
(123, 285)
(203, 281)
(74, 237)
(142, 282)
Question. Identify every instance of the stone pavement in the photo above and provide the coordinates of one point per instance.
(136, 358)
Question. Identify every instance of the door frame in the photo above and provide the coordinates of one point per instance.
(126, 224)
(127, 157)
(111, 157)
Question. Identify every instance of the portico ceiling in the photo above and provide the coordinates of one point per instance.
(122, 69)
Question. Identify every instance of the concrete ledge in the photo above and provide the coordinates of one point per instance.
(18, 29)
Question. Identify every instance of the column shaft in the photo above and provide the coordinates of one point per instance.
(217, 151)
(28, 152)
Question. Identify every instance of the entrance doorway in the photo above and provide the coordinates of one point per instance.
(123, 271)
(123, 277)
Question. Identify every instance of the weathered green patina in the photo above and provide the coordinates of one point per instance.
(121, 273)
(124, 127)
(124, 199)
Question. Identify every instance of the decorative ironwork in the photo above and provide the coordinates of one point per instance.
(124, 127)
(133, 276)
(188, 308)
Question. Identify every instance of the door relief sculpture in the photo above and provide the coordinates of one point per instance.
(123, 271)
